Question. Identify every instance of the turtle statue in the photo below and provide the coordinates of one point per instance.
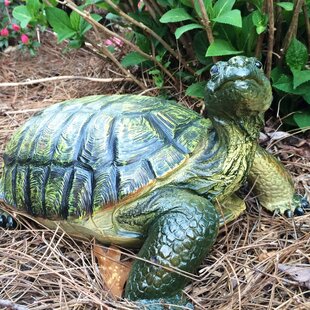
(145, 172)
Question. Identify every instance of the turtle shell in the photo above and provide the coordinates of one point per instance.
(85, 154)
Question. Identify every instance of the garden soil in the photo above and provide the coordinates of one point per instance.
(259, 261)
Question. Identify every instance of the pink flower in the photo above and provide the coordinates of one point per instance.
(117, 41)
(24, 38)
(108, 42)
(15, 27)
(4, 32)
(6, 2)
(114, 41)
(140, 5)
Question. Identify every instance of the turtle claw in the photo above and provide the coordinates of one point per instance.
(2, 221)
(299, 211)
(304, 203)
(288, 213)
(298, 207)
(7, 222)
(11, 223)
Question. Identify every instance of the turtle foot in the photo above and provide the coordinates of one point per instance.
(173, 303)
(7, 221)
(299, 207)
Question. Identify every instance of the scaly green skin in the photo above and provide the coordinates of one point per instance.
(140, 171)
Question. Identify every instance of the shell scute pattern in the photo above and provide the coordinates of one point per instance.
(136, 136)
(78, 156)
(80, 199)
(57, 190)
(166, 160)
(37, 178)
(95, 151)
(134, 176)
(21, 185)
(105, 190)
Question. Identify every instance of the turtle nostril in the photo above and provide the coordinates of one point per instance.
(237, 61)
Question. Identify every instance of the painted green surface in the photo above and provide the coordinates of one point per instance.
(145, 172)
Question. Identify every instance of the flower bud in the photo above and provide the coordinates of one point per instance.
(24, 38)
(6, 2)
(4, 32)
(15, 27)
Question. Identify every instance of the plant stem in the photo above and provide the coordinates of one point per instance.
(66, 77)
(307, 23)
(106, 52)
(152, 33)
(260, 40)
(270, 37)
(291, 33)
(279, 27)
(97, 25)
(206, 23)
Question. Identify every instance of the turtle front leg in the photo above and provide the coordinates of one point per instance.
(181, 228)
(274, 187)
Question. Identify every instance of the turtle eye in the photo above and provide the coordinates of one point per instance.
(214, 70)
(258, 64)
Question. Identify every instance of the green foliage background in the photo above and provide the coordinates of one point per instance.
(174, 43)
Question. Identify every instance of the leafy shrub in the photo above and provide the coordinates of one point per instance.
(175, 42)
(14, 33)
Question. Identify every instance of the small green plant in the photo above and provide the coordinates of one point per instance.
(294, 80)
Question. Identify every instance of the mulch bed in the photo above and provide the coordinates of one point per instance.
(250, 266)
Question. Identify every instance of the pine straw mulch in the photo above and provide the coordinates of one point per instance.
(41, 269)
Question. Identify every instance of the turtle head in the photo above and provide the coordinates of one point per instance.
(238, 88)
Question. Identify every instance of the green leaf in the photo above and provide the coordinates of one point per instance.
(143, 42)
(276, 74)
(302, 119)
(285, 84)
(260, 21)
(287, 6)
(196, 90)
(179, 31)
(247, 36)
(230, 17)
(60, 22)
(200, 45)
(85, 26)
(102, 4)
(75, 43)
(222, 6)
(297, 55)
(132, 59)
(208, 7)
(220, 48)
(22, 14)
(307, 97)
(202, 70)
(300, 77)
(188, 3)
(33, 7)
(175, 15)
(75, 20)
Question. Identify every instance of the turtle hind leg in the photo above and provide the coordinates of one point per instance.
(183, 230)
